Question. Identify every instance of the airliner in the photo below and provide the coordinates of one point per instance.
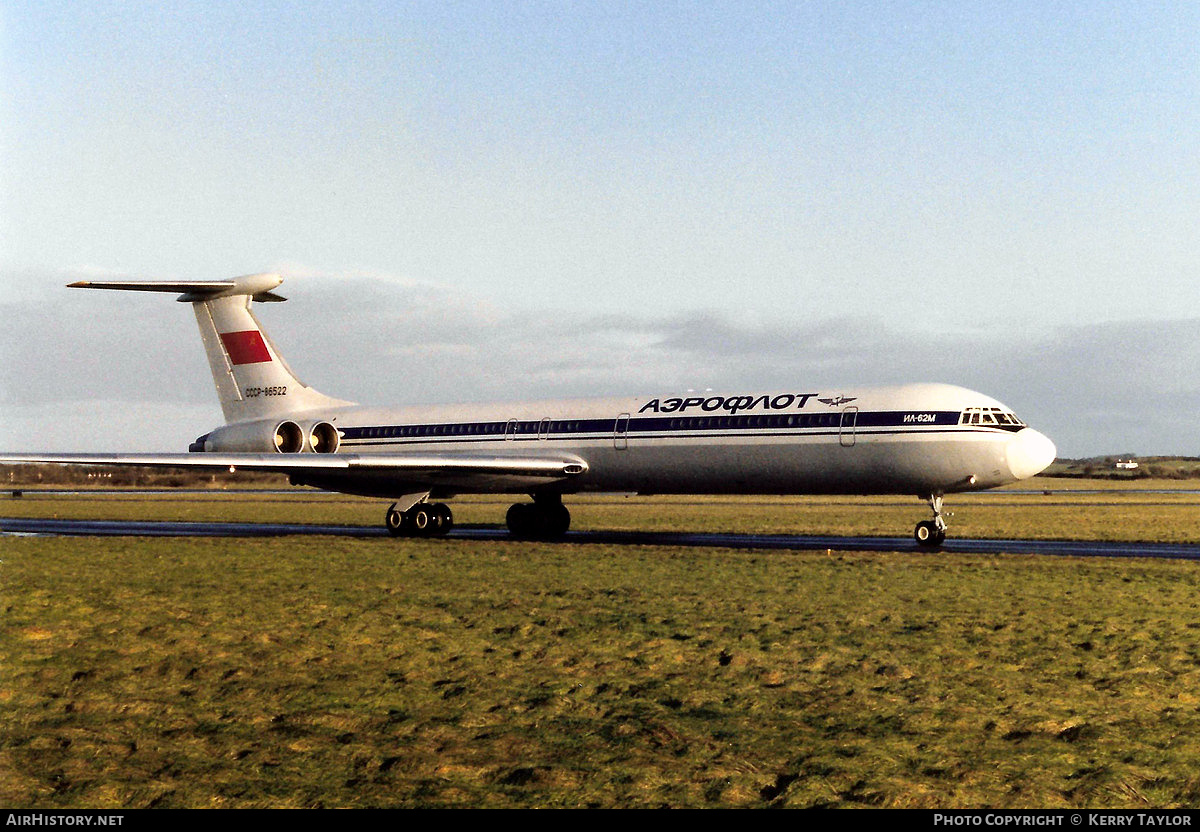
(927, 440)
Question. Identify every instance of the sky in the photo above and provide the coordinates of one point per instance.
(473, 201)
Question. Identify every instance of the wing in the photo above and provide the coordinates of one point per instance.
(374, 474)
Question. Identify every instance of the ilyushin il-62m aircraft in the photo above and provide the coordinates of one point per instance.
(927, 440)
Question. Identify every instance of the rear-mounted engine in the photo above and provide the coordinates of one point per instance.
(323, 438)
(268, 436)
(289, 438)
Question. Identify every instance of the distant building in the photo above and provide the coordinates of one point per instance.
(1126, 464)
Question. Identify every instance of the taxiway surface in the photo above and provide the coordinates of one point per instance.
(1067, 548)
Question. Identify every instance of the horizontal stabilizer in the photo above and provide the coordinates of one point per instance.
(257, 286)
(204, 286)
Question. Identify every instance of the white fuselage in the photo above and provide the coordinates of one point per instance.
(915, 439)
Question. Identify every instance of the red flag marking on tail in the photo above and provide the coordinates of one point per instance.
(245, 347)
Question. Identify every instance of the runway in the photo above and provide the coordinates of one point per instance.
(1063, 548)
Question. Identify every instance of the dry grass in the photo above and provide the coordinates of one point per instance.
(334, 672)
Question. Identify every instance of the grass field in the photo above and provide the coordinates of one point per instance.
(376, 672)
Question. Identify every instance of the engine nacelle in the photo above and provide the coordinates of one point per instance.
(271, 435)
(263, 436)
(323, 438)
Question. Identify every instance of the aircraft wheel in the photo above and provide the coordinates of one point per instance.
(422, 520)
(556, 519)
(538, 521)
(443, 518)
(394, 520)
(927, 534)
(520, 519)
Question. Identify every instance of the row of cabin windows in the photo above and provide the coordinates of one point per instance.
(712, 422)
(599, 425)
(476, 429)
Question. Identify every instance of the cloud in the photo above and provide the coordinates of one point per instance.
(74, 369)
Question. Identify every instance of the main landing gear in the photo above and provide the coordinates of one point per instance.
(422, 520)
(546, 518)
(932, 533)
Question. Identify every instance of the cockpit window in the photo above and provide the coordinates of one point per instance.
(990, 416)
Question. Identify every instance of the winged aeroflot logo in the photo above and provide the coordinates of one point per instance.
(838, 400)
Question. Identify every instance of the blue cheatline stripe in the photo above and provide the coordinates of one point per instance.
(806, 424)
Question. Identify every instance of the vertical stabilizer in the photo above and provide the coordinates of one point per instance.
(252, 379)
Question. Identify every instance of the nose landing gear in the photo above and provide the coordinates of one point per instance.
(930, 534)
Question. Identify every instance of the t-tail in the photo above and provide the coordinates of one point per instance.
(253, 381)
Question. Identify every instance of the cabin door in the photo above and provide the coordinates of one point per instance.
(847, 427)
(621, 432)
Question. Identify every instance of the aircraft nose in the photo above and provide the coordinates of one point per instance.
(1029, 453)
